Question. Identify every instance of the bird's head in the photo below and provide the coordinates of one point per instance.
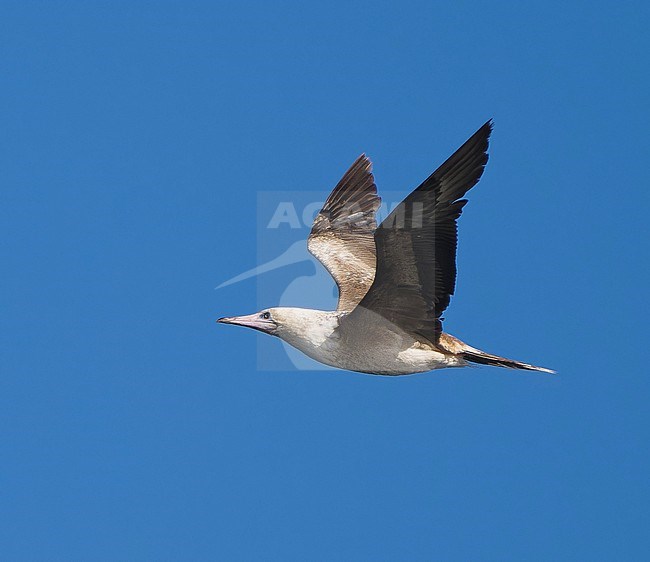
(265, 321)
(291, 324)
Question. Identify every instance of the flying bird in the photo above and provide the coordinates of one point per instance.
(395, 280)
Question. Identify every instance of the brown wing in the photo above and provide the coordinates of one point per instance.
(416, 248)
(342, 234)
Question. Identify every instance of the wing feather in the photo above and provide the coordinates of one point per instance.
(416, 248)
(342, 234)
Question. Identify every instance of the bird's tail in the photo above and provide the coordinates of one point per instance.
(477, 356)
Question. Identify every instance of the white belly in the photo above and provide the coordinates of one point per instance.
(383, 360)
(371, 349)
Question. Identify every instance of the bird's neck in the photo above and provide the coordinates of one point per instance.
(306, 328)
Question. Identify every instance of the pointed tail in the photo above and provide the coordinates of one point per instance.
(477, 356)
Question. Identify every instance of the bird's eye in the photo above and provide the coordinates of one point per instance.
(265, 315)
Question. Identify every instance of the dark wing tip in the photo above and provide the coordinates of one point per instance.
(462, 170)
(486, 129)
(361, 163)
(480, 139)
(353, 201)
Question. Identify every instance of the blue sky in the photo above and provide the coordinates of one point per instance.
(136, 140)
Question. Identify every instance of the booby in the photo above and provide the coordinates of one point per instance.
(394, 280)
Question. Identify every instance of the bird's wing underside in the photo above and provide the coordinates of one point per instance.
(416, 249)
(342, 234)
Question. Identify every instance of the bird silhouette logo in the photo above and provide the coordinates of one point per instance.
(316, 289)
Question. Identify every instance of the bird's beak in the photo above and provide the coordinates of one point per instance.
(251, 321)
